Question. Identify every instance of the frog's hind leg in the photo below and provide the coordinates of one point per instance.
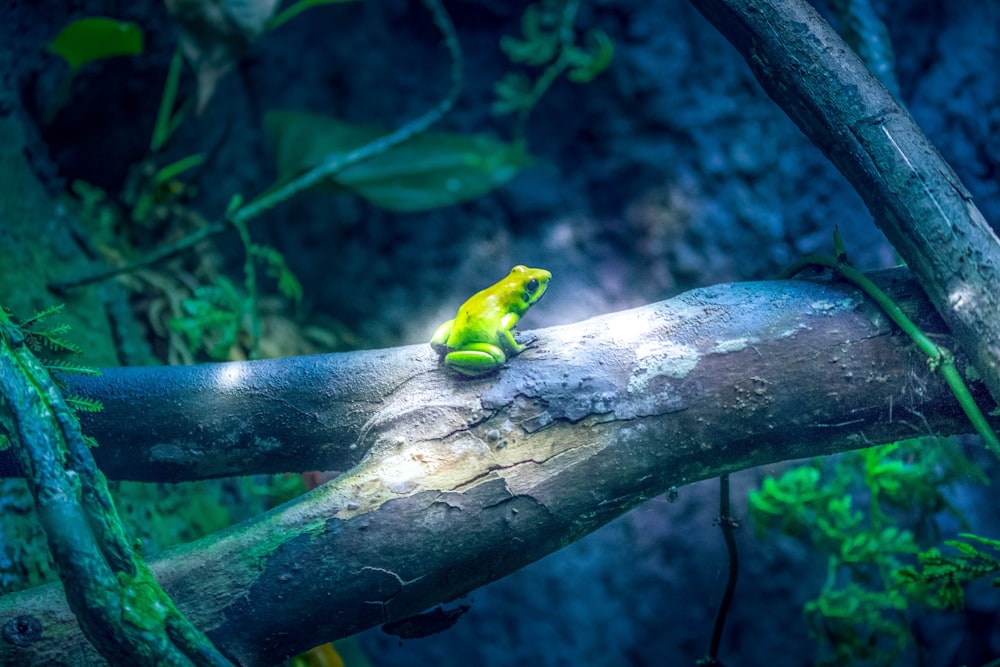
(475, 359)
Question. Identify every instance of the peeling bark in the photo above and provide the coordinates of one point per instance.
(463, 481)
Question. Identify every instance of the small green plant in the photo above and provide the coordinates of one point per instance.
(549, 42)
(871, 513)
(219, 317)
(939, 580)
(55, 352)
(212, 319)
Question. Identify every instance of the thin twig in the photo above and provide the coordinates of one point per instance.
(728, 525)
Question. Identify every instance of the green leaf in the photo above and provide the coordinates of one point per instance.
(173, 169)
(762, 503)
(982, 540)
(588, 64)
(513, 93)
(428, 171)
(54, 343)
(966, 549)
(540, 44)
(167, 121)
(96, 38)
(278, 269)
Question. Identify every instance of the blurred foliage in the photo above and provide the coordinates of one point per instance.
(219, 317)
(548, 42)
(870, 512)
(96, 38)
(938, 580)
(428, 171)
(160, 515)
(149, 188)
(200, 312)
(214, 34)
(296, 8)
(212, 319)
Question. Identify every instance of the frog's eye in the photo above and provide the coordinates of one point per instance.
(531, 286)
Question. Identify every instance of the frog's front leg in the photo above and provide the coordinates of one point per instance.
(510, 343)
(475, 359)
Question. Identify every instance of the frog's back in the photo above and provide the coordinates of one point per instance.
(478, 320)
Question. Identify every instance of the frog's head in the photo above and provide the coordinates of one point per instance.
(529, 283)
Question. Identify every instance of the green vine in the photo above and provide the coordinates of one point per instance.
(938, 357)
(850, 511)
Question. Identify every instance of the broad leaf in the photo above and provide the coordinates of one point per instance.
(96, 38)
(428, 171)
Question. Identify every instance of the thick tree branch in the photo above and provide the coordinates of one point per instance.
(917, 200)
(322, 412)
(466, 480)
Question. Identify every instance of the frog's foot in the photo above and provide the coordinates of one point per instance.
(525, 340)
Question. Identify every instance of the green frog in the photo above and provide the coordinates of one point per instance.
(481, 337)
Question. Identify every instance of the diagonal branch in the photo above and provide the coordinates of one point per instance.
(118, 604)
(463, 481)
(917, 200)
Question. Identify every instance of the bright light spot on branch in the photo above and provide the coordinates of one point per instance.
(400, 473)
(230, 375)
(961, 298)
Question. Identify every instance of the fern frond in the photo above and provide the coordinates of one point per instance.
(84, 404)
(54, 332)
(42, 314)
(60, 345)
(995, 544)
(65, 366)
(940, 579)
